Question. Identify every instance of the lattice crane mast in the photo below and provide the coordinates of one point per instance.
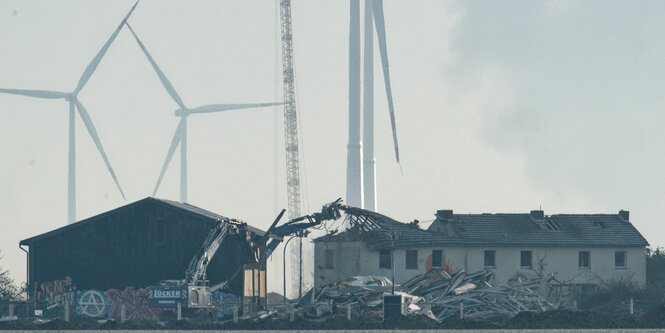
(290, 131)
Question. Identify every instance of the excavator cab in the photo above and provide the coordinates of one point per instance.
(198, 296)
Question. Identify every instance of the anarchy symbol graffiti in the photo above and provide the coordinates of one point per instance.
(92, 304)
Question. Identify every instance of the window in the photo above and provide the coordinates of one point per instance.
(437, 256)
(411, 259)
(489, 258)
(620, 259)
(585, 259)
(329, 262)
(385, 259)
(525, 259)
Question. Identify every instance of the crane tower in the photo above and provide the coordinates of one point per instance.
(291, 135)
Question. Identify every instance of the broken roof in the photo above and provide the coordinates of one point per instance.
(184, 207)
(561, 230)
(376, 230)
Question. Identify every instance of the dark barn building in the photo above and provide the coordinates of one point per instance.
(140, 244)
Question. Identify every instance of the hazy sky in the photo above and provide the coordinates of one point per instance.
(500, 107)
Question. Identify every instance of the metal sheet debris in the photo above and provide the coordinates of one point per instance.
(435, 294)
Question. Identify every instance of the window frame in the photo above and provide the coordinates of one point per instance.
(485, 257)
(580, 261)
(414, 262)
(530, 254)
(625, 259)
(439, 258)
(382, 256)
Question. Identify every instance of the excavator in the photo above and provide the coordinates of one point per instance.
(195, 287)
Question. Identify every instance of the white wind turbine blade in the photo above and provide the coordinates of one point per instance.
(223, 107)
(50, 94)
(381, 34)
(95, 61)
(165, 82)
(174, 144)
(93, 133)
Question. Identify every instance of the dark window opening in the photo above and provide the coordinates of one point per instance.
(585, 259)
(411, 259)
(329, 259)
(437, 258)
(385, 259)
(620, 259)
(525, 259)
(490, 255)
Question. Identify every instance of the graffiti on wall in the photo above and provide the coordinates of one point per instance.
(146, 303)
(137, 304)
(93, 304)
(49, 297)
(53, 292)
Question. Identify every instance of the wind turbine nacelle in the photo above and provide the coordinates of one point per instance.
(182, 112)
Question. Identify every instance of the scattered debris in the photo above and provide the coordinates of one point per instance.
(435, 294)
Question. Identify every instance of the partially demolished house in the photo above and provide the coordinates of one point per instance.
(578, 248)
(139, 245)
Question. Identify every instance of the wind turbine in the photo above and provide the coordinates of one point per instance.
(361, 178)
(72, 98)
(180, 136)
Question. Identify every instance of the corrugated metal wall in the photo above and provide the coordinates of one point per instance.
(138, 245)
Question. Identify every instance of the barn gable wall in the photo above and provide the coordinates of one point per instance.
(137, 245)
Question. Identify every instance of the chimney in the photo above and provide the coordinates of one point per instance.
(537, 215)
(445, 213)
(625, 214)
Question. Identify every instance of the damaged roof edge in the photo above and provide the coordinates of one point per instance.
(496, 230)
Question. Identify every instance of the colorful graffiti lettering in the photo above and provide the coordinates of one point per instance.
(53, 292)
(136, 304)
(148, 303)
(110, 304)
(50, 297)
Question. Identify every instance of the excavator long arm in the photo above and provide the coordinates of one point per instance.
(329, 211)
(196, 271)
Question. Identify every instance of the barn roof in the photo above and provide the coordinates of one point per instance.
(529, 229)
(184, 207)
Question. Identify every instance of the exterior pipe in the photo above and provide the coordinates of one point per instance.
(27, 280)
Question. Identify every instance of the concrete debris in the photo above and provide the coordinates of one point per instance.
(435, 294)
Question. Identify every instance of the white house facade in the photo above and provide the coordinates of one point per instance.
(578, 249)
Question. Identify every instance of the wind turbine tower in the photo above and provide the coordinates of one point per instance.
(360, 170)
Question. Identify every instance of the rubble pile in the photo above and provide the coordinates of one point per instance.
(437, 295)
(472, 296)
